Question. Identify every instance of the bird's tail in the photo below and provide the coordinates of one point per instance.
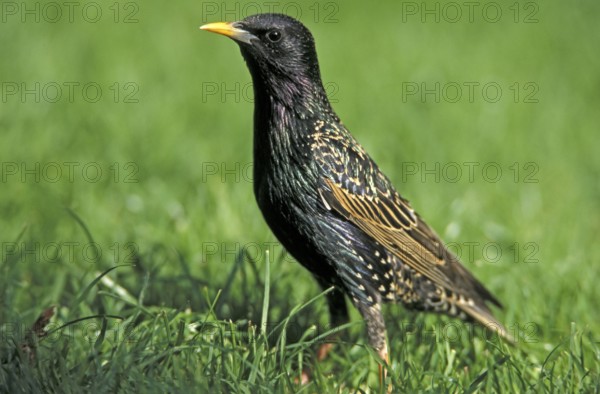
(481, 313)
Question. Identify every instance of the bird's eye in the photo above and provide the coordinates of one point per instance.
(274, 35)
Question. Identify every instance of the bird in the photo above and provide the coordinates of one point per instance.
(328, 203)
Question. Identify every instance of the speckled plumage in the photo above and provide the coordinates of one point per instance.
(327, 201)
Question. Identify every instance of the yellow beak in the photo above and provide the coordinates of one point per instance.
(228, 29)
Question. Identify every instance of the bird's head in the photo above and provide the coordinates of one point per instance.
(279, 50)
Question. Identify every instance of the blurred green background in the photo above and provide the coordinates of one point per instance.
(123, 123)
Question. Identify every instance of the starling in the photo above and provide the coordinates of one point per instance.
(327, 201)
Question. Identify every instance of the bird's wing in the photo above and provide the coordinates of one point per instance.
(373, 205)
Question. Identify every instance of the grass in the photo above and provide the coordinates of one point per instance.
(134, 217)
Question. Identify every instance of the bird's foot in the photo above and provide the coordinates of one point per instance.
(304, 378)
(383, 354)
(322, 353)
(324, 350)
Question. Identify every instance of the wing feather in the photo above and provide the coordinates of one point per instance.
(393, 223)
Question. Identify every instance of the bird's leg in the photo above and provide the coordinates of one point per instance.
(376, 333)
(383, 354)
(338, 313)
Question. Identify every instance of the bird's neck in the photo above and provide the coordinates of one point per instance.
(284, 114)
(284, 104)
(303, 96)
(278, 128)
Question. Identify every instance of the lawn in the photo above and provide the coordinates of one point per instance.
(130, 225)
